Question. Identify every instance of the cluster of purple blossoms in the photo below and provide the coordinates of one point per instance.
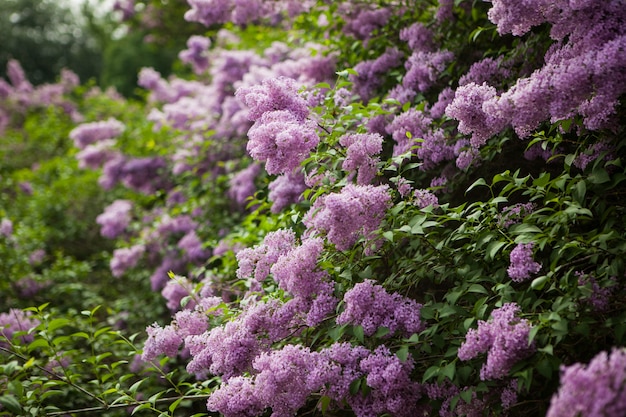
(362, 23)
(284, 379)
(504, 338)
(230, 350)
(370, 306)
(286, 189)
(468, 107)
(425, 198)
(115, 218)
(599, 298)
(597, 389)
(240, 12)
(125, 258)
(88, 133)
(193, 247)
(423, 69)
(175, 291)
(357, 210)
(97, 154)
(16, 321)
(27, 287)
(196, 55)
(594, 152)
(257, 261)
(418, 37)
(514, 214)
(371, 73)
(6, 227)
(242, 185)
(522, 264)
(281, 136)
(360, 152)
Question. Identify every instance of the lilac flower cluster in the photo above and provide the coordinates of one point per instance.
(125, 258)
(193, 247)
(504, 338)
(88, 133)
(362, 23)
(423, 69)
(257, 261)
(370, 306)
(18, 95)
(425, 198)
(97, 154)
(286, 189)
(115, 218)
(599, 298)
(511, 215)
(357, 210)
(196, 55)
(281, 136)
(14, 321)
(360, 152)
(522, 265)
(283, 380)
(371, 73)
(242, 185)
(597, 389)
(6, 227)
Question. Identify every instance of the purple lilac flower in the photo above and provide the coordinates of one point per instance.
(488, 70)
(282, 141)
(418, 36)
(357, 210)
(193, 247)
(88, 133)
(175, 290)
(583, 159)
(208, 12)
(36, 257)
(257, 261)
(371, 73)
(125, 258)
(97, 154)
(600, 296)
(468, 108)
(242, 185)
(406, 128)
(424, 198)
(511, 215)
(365, 22)
(115, 218)
(26, 288)
(196, 54)
(445, 10)
(6, 227)
(161, 341)
(360, 152)
(160, 277)
(14, 321)
(505, 339)
(112, 172)
(296, 271)
(17, 76)
(143, 174)
(424, 68)
(370, 306)
(273, 94)
(230, 350)
(438, 109)
(522, 264)
(237, 398)
(597, 389)
(286, 189)
(393, 391)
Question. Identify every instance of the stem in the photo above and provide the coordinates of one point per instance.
(56, 376)
(136, 403)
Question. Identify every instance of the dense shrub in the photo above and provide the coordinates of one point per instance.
(349, 209)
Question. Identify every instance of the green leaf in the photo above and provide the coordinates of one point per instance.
(403, 353)
(355, 386)
(324, 403)
(477, 183)
(11, 404)
(358, 333)
(175, 404)
(492, 249)
(539, 282)
(381, 331)
(57, 324)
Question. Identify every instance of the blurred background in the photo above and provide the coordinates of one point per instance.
(106, 42)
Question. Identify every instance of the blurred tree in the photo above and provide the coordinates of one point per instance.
(46, 36)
